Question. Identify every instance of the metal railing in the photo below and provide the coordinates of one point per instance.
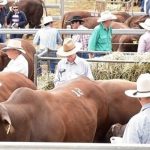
(70, 146)
(71, 31)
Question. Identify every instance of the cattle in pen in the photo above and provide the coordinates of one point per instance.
(69, 113)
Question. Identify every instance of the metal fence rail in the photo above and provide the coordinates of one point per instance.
(71, 31)
(69, 146)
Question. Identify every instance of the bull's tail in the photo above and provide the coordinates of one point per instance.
(44, 7)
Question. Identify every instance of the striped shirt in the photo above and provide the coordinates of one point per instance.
(82, 38)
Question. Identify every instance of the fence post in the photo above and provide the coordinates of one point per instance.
(35, 68)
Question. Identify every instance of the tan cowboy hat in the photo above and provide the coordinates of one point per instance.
(146, 24)
(3, 2)
(68, 48)
(106, 15)
(14, 44)
(47, 19)
(143, 87)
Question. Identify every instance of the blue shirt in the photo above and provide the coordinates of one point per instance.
(101, 39)
(47, 37)
(138, 128)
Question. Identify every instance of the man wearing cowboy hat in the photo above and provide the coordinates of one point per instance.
(18, 62)
(3, 14)
(48, 38)
(77, 23)
(101, 38)
(138, 127)
(144, 40)
(72, 66)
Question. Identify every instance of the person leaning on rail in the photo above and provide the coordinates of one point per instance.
(18, 62)
(101, 37)
(71, 66)
(48, 38)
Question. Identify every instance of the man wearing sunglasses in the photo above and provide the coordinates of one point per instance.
(16, 19)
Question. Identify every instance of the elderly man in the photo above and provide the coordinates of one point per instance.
(18, 62)
(138, 128)
(72, 66)
(101, 38)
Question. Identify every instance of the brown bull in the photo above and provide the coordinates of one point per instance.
(121, 107)
(29, 55)
(90, 20)
(11, 81)
(133, 21)
(73, 112)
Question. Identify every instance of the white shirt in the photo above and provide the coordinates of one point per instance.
(20, 65)
(67, 71)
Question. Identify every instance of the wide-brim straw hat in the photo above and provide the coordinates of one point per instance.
(3, 2)
(106, 15)
(146, 24)
(68, 48)
(47, 19)
(14, 44)
(143, 87)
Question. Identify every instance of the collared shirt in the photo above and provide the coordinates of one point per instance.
(100, 39)
(82, 38)
(47, 37)
(67, 71)
(144, 43)
(20, 65)
(138, 128)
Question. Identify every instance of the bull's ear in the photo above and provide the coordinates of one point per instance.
(6, 121)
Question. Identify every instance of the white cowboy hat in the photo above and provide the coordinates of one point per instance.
(3, 2)
(47, 19)
(14, 44)
(143, 87)
(68, 48)
(106, 15)
(146, 24)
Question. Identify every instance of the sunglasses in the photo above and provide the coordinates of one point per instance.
(15, 8)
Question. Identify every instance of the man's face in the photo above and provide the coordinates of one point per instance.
(15, 8)
(71, 58)
(75, 24)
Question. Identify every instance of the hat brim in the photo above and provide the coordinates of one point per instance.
(61, 51)
(19, 49)
(113, 17)
(75, 20)
(144, 26)
(136, 94)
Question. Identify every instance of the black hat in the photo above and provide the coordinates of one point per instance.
(76, 18)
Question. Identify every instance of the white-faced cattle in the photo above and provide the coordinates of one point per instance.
(73, 112)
